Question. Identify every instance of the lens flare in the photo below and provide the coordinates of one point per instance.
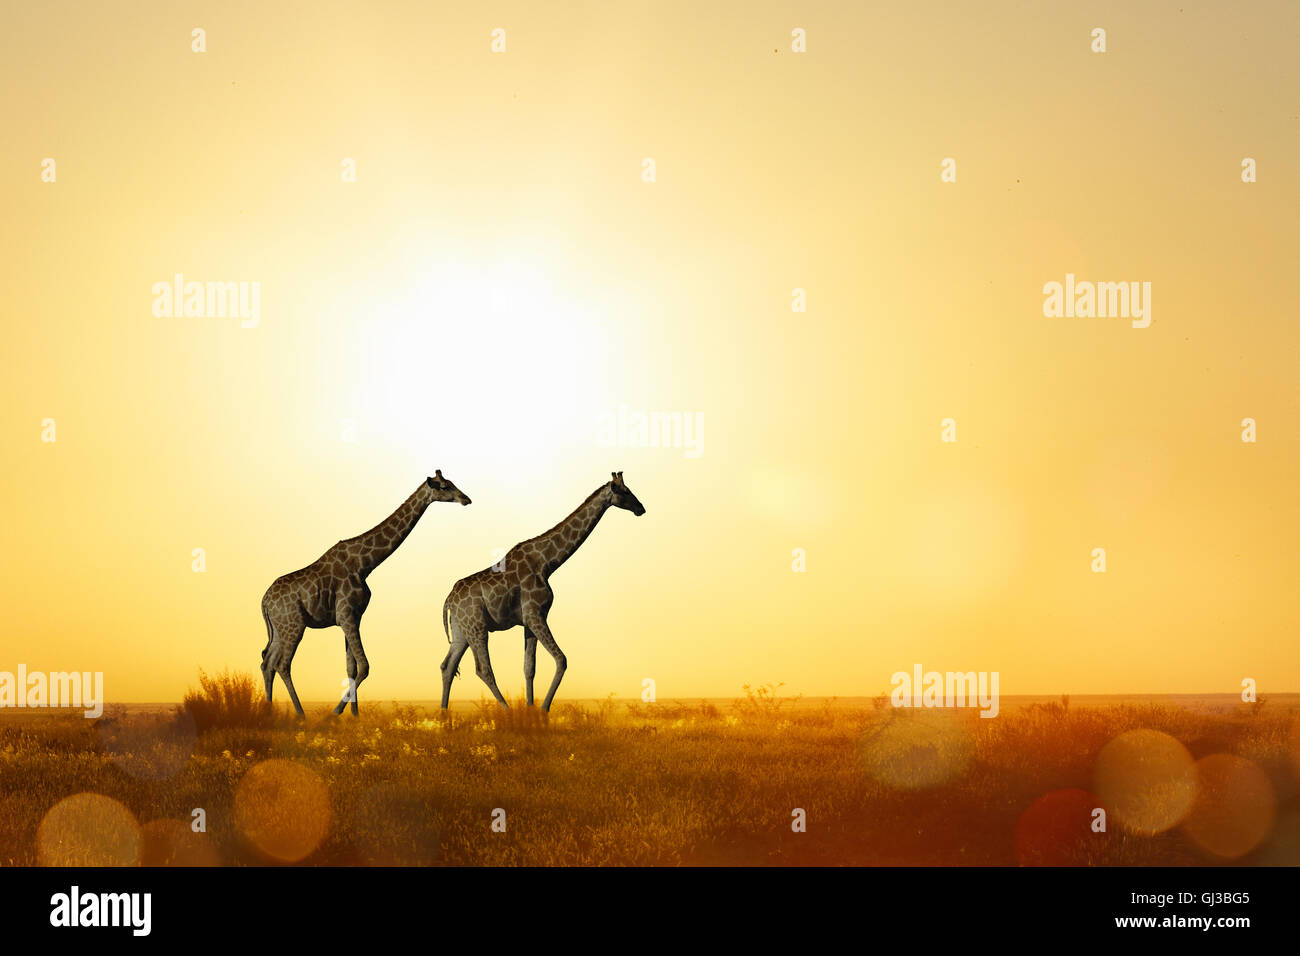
(88, 829)
(1235, 806)
(1057, 830)
(283, 809)
(916, 749)
(1294, 747)
(174, 843)
(393, 827)
(1146, 779)
(1282, 845)
(149, 746)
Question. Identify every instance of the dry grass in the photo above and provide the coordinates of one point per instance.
(643, 784)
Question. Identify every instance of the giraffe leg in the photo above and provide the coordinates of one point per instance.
(352, 674)
(268, 666)
(270, 662)
(283, 632)
(451, 667)
(293, 694)
(352, 633)
(287, 650)
(483, 666)
(561, 662)
(530, 662)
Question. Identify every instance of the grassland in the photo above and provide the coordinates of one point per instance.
(642, 784)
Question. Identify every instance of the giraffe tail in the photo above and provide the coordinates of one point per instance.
(270, 635)
(446, 628)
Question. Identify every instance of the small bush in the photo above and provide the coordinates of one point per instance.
(228, 700)
(762, 702)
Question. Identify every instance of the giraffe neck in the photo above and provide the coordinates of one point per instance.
(373, 547)
(560, 542)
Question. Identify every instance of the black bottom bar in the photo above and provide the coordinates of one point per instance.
(331, 905)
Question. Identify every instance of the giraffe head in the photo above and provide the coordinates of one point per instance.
(440, 489)
(620, 495)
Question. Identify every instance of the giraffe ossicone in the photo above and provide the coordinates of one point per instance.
(333, 590)
(518, 593)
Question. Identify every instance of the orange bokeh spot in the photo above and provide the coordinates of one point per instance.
(391, 826)
(283, 809)
(88, 829)
(1146, 779)
(1235, 806)
(1056, 830)
(1295, 744)
(150, 746)
(1282, 845)
(917, 749)
(173, 843)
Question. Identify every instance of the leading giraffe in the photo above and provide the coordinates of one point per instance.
(515, 591)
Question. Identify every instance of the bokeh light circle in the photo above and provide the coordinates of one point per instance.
(1146, 780)
(918, 749)
(88, 829)
(1282, 846)
(1057, 830)
(174, 843)
(1293, 748)
(149, 746)
(393, 827)
(1235, 806)
(283, 809)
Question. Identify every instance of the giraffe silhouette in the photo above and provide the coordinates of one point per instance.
(333, 591)
(515, 591)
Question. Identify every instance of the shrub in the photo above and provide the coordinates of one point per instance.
(228, 700)
(761, 702)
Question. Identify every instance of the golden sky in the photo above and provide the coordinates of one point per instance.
(500, 275)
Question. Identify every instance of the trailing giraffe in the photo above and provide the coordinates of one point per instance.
(516, 591)
(333, 590)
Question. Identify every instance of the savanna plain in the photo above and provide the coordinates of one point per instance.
(764, 779)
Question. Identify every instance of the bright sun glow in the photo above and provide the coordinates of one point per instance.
(484, 360)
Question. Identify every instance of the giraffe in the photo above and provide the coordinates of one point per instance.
(516, 591)
(333, 590)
